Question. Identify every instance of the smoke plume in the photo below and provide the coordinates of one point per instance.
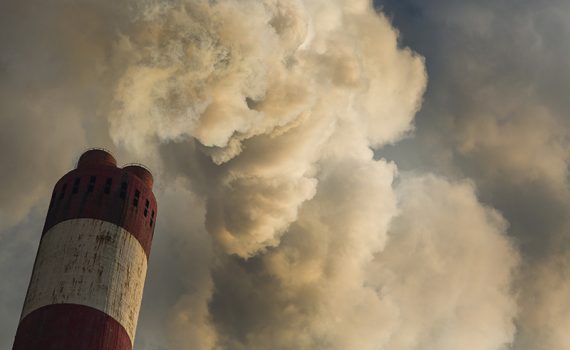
(498, 74)
(278, 227)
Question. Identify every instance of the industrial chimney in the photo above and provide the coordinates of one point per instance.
(88, 277)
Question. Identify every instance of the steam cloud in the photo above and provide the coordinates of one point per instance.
(497, 77)
(279, 228)
(283, 101)
(269, 91)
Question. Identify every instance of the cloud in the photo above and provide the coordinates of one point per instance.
(543, 325)
(278, 227)
(262, 98)
(494, 113)
(448, 266)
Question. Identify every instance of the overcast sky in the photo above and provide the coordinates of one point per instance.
(330, 174)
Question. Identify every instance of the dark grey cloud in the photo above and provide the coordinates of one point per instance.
(495, 112)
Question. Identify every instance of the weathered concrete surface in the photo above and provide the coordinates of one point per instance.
(93, 263)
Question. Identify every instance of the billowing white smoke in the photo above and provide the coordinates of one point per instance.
(448, 269)
(268, 89)
(283, 101)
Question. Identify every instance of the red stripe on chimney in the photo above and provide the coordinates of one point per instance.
(70, 327)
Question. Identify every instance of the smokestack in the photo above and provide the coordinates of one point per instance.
(88, 277)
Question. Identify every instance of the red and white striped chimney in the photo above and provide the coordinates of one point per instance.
(87, 283)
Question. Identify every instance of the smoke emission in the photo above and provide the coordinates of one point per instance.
(498, 73)
(281, 226)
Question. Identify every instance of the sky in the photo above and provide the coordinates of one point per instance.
(330, 174)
